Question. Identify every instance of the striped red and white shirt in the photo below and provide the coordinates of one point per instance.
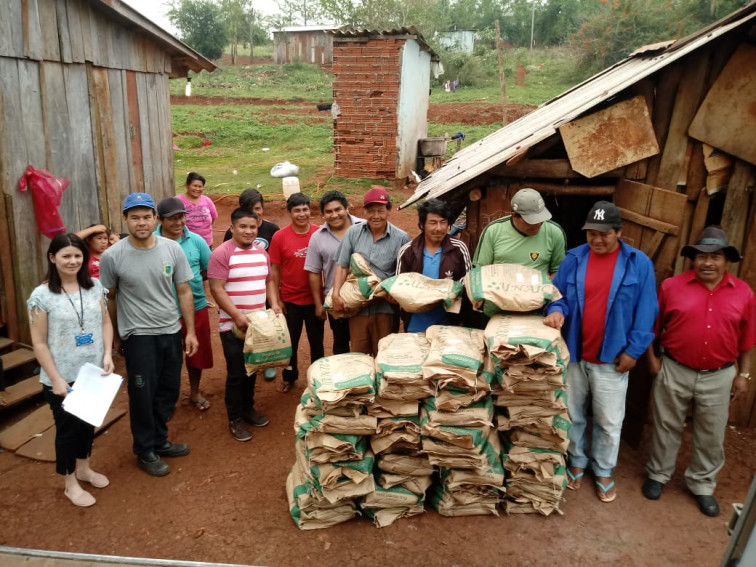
(245, 271)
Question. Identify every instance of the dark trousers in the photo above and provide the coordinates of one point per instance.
(296, 316)
(340, 329)
(73, 437)
(240, 388)
(153, 365)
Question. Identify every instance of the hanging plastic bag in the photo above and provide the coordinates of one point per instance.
(284, 169)
(47, 192)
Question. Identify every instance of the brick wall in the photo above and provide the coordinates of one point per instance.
(366, 90)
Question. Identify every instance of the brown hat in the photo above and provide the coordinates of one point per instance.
(712, 239)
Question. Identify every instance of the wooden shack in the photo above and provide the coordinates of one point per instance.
(667, 134)
(304, 44)
(84, 93)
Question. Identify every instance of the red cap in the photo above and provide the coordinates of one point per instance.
(376, 195)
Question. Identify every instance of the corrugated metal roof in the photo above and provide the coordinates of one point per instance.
(295, 29)
(543, 122)
(406, 31)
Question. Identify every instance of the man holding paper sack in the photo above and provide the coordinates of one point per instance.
(240, 280)
(434, 254)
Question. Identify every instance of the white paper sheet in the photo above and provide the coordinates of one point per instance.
(92, 394)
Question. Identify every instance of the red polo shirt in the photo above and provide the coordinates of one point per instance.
(702, 328)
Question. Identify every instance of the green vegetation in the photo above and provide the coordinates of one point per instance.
(283, 119)
(294, 81)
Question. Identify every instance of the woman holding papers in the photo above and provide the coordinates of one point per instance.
(70, 326)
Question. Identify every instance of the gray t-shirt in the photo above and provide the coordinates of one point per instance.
(64, 329)
(144, 280)
(322, 250)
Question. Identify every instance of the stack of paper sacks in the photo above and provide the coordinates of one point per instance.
(334, 462)
(457, 423)
(532, 359)
(402, 474)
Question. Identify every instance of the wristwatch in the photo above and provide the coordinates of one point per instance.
(746, 375)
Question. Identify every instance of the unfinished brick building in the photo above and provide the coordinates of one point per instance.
(380, 101)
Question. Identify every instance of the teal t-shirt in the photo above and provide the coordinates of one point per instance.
(198, 253)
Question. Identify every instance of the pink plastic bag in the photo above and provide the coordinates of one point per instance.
(47, 192)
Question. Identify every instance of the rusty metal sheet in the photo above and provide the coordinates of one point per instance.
(727, 116)
(611, 138)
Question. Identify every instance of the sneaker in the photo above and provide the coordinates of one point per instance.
(269, 374)
(153, 465)
(254, 417)
(239, 431)
(173, 449)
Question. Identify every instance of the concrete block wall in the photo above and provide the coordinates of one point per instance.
(366, 90)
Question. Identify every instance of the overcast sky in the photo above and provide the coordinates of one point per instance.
(155, 10)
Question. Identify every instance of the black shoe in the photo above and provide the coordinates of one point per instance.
(707, 504)
(239, 431)
(173, 449)
(652, 489)
(254, 417)
(153, 465)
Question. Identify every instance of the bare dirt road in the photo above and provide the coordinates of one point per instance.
(225, 502)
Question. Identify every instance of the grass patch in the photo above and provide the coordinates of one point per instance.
(294, 81)
(237, 157)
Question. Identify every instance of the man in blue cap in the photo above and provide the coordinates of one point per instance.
(140, 273)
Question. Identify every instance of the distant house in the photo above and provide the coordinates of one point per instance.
(462, 41)
(307, 44)
(84, 93)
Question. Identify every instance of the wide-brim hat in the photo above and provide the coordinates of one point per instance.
(712, 239)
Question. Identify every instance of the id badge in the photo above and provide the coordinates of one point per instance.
(84, 339)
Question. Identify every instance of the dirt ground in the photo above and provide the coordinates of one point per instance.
(471, 114)
(225, 502)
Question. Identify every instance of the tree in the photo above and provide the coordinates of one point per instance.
(201, 26)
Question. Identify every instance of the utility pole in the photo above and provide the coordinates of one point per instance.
(532, 24)
(502, 81)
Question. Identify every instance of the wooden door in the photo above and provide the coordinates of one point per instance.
(651, 222)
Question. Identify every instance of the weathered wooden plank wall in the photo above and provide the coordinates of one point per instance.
(87, 99)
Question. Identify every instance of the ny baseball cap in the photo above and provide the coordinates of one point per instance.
(376, 195)
(169, 207)
(603, 217)
(529, 204)
(138, 200)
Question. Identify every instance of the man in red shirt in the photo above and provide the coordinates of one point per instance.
(706, 328)
(606, 316)
(288, 252)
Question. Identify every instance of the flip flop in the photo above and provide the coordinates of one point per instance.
(202, 405)
(576, 480)
(605, 493)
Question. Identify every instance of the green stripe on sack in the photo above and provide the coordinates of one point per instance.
(461, 361)
(415, 368)
(387, 283)
(560, 423)
(267, 357)
(364, 286)
(361, 380)
(476, 284)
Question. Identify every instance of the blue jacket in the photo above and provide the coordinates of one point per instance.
(631, 309)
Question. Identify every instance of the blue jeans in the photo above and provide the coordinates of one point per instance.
(605, 388)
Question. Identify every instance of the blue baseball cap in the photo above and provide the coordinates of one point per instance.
(138, 200)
